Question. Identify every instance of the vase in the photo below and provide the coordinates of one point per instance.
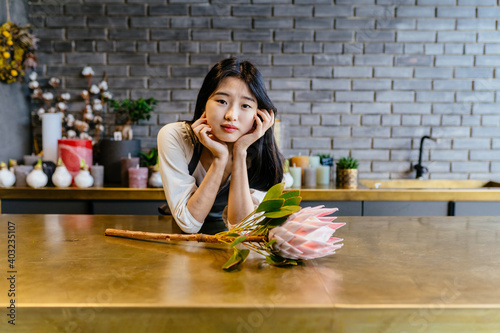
(347, 179)
(110, 155)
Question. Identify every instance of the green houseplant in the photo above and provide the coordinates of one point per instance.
(347, 173)
(149, 159)
(131, 111)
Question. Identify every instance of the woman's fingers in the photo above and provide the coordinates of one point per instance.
(266, 119)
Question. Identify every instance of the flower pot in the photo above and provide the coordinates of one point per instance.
(110, 154)
(347, 179)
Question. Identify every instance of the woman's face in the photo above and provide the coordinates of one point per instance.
(231, 109)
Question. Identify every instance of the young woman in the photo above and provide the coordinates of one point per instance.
(216, 168)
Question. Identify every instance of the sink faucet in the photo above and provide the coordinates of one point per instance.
(419, 167)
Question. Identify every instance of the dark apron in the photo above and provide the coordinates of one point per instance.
(213, 222)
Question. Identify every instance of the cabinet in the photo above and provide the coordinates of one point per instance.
(477, 208)
(346, 208)
(101, 207)
(405, 208)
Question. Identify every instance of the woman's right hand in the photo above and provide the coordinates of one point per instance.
(203, 132)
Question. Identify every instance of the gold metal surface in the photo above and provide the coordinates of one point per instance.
(394, 274)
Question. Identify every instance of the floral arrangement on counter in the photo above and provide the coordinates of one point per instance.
(51, 100)
(279, 229)
(17, 52)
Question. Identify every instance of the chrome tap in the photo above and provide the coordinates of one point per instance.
(419, 167)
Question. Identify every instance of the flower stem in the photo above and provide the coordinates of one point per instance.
(179, 237)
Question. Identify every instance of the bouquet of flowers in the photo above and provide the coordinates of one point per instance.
(17, 47)
(279, 229)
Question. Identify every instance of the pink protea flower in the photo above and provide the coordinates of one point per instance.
(307, 234)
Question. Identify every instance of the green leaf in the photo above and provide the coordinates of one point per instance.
(284, 211)
(263, 222)
(270, 205)
(277, 260)
(275, 191)
(277, 221)
(238, 240)
(290, 194)
(280, 261)
(238, 257)
(295, 201)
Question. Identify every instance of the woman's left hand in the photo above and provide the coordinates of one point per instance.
(262, 124)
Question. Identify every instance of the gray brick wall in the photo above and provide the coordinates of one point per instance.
(349, 77)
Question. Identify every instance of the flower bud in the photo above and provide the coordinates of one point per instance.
(87, 71)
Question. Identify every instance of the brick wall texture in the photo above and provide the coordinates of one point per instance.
(365, 78)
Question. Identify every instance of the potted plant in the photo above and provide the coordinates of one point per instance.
(122, 144)
(347, 173)
(326, 159)
(149, 160)
(129, 112)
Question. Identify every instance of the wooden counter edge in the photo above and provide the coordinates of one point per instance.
(327, 194)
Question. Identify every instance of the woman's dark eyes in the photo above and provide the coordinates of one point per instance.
(223, 102)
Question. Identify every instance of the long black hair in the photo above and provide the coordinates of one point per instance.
(266, 162)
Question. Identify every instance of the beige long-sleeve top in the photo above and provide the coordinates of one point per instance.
(175, 150)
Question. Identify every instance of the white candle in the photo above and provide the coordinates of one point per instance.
(310, 177)
(296, 173)
(51, 132)
(314, 161)
(323, 175)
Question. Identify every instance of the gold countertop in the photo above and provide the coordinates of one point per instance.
(394, 274)
(327, 193)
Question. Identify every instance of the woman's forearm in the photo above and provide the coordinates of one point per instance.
(201, 202)
(239, 201)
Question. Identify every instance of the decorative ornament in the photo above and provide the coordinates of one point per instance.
(37, 178)
(84, 179)
(61, 177)
(279, 229)
(7, 177)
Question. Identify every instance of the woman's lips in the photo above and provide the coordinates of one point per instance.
(229, 128)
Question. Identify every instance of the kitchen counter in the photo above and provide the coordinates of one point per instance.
(394, 274)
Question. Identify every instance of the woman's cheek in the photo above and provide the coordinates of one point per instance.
(210, 122)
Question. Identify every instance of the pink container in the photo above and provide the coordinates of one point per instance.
(138, 177)
(71, 151)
